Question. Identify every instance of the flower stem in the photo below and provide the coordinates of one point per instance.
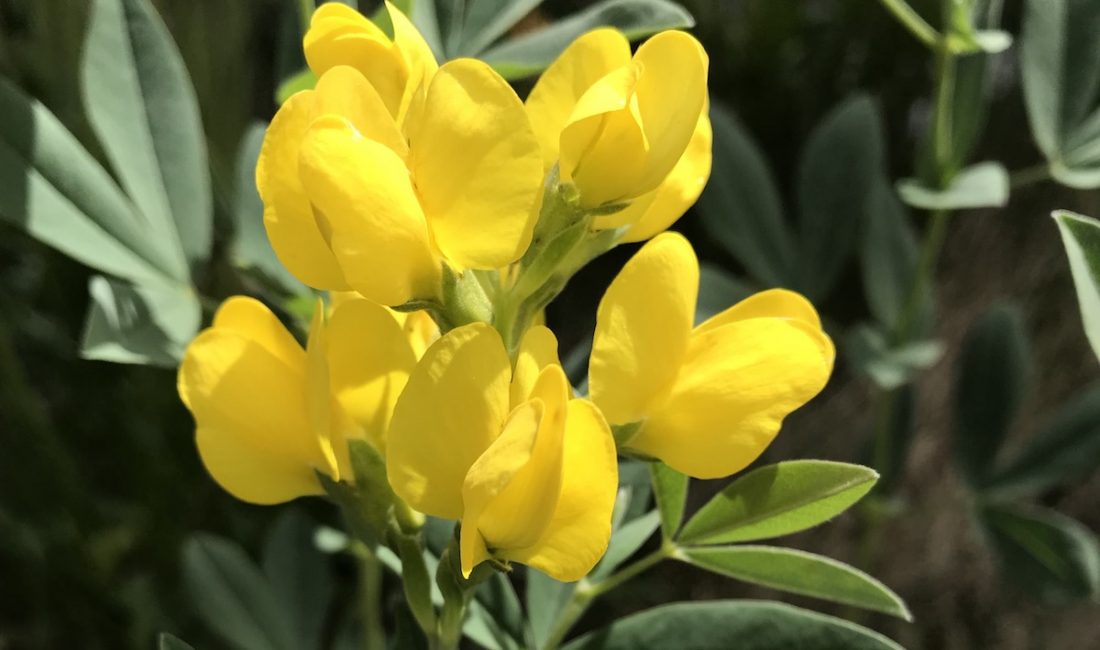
(587, 591)
(370, 600)
(912, 21)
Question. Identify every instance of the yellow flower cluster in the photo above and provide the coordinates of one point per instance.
(394, 173)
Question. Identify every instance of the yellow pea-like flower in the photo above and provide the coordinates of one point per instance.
(269, 414)
(706, 400)
(530, 472)
(625, 128)
(371, 182)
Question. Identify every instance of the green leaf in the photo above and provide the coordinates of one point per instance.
(304, 79)
(168, 642)
(530, 53)
(1066, 449)
(1078, 179)
(626, 541)
(143, 108)
(251, 249)
(1049, 556)
(799, 572)
(889, 367)
(888, 255)
(722, 624)
(488, 20)
(545, 599)
(841, 161)
(740, 207)
(52, 189)
(1060, 68)
(497, 611)
(299, 576)
(670, 489)
(1081, 237)
(984, 185)
(778, 500)
(147, 324)
(718, 290)
(232, 597)
(994, 368)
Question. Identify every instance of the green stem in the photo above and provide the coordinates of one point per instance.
(370, 600)
(1029, 176)
(944, 169)
(305, 14)
(912, 21)
(586, 592)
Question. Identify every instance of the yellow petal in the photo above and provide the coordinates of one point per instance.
(538, 349)
(603, 147)
(339, 35)
(642, 329)
(580, 528)
(582, 64)
(363, 192)
(288, 215)
(323, 411)
(477, 166)
(453, 407)
(420, 330)
(492, 473)
(773, 303)
(419, 59)
(253, 320)
(656, 211)
(516, 515)
(244, 468)
(344, 92)
(738, 382)
(246, 398)
(369, 360)
(671, 93)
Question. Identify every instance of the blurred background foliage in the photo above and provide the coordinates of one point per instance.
(990, 414)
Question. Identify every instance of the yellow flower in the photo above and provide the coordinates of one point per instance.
(531, 473)
(359, 196)
(705, 400)
(627, 129)
(269, 414)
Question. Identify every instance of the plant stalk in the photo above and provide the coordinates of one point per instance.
(911, 20)
(370, 600)
(587, 591)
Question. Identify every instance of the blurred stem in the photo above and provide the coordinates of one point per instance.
(588, 591)
(944, 169)
(1029, 176)
(305, 13)
(370, 600)
(912, 21)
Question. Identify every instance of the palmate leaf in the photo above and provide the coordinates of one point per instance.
(299, 576)
(169, 642)
(528, 54)
(1081, 237)
(670, 489)
(148, 323)
(740, 207)
(888, 254)
(1050, 556)
(836, 176)
(984, 185)
(232, 596)
(994, 369)
(801, 573)
(722, 624)
(142, 105)
(52, 189)
(1060, 70)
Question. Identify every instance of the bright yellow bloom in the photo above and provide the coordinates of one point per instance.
(531, 473)
(705, 400)
(390, 166)
(627, 129)
(269, 414)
